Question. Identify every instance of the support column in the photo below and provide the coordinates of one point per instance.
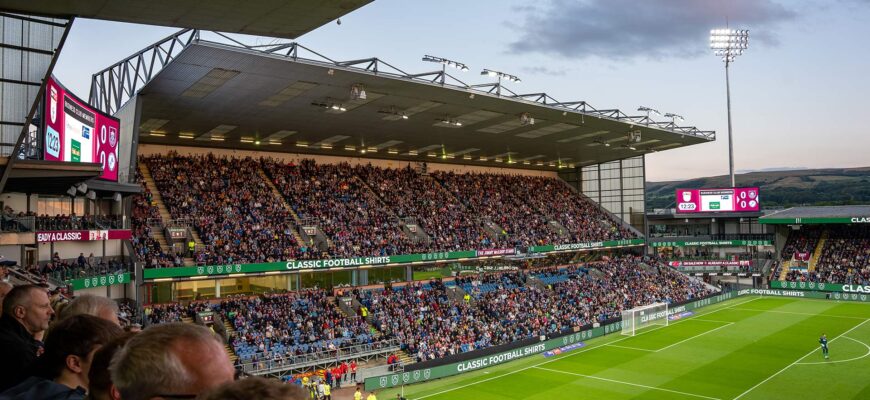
(363, 277)
(409, 273)
(217, 288)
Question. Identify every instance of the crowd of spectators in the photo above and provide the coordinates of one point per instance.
(355, 220)
(277, 326)
(360, 209)
(491, 197)
(845, 258)
(234, 211)
(441, 216)
(147, 248)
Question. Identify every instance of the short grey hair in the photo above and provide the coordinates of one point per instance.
(147, 366)
(88, 304)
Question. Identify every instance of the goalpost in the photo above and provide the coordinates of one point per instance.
(644, 316)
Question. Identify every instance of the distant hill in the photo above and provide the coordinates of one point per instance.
(821, 187)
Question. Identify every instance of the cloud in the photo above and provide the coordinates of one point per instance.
(626, 29)
(545, 71)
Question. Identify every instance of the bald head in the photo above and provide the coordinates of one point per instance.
(179, 359)
(97, 306)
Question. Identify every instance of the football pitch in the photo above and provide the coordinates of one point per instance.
(744, 348)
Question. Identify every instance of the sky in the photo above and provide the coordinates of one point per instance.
(799, 93)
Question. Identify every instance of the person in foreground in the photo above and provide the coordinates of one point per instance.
(171, 361)
(255, 388)
(26, 313)
(62, 371)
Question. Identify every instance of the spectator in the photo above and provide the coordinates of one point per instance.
(255, 388)
(62, 371)
(171, 360)
(100, 386)
(26, 313)
(88, 304)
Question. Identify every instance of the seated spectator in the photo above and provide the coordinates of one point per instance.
(100, 386)
(88, 304)
(26, 314)
(256, 388)
(171, 360)
(62, 371)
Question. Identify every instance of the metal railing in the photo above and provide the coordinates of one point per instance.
(17, 224)
(66, 223)
(283, 363)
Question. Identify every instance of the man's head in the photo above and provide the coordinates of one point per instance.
(100, 386)
(88, 304)
(256, 388)
(30, 306)
(171, 359)
(70, 347)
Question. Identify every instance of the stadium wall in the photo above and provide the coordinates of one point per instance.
(157, 149)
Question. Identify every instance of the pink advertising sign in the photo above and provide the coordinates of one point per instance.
(718, 200)
(75, 132)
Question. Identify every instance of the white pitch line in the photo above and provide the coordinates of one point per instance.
(628, 383)
(795, 362)
(577, 352)
(630, 348)
(841, 361)
(700, 334)
(799, 313)
(713, 320)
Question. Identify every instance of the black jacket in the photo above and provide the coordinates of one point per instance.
(35, 388)
(17, 351)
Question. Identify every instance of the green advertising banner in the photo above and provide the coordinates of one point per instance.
(442, 371)
(822, 287)
(295, 265)
(723, 243)
(98, 281)
(807, 294)
(586, 245)
(815, 220)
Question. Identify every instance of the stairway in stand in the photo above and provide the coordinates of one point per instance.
(157, 201)
(817, 252)
(786, 266)
(405, 358)
(231, 333)
(277, 193)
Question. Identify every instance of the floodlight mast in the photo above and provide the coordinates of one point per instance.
(444, 63)
(728, 44)
(499, 75)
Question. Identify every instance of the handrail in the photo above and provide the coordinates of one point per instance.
(284, 363)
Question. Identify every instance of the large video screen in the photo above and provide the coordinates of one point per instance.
(75, 132)
(718, 200)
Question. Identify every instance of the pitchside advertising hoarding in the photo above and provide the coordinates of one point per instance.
(718, 200)
(75, 132)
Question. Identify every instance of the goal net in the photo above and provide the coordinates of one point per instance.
(641, 317)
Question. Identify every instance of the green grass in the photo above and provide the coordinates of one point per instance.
(745, 348)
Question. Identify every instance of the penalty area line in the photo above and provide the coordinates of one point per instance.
(628, 383)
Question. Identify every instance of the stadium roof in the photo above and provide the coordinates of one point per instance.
(268, 97)
(275, 18)
(819, 215)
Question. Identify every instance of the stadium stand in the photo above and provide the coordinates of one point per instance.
(232, 208)
(845, 258)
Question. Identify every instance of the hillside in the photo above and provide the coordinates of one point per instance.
(829, 186)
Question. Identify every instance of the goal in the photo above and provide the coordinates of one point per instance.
(644, 316)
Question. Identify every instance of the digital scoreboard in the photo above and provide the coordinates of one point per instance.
(718, 200)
